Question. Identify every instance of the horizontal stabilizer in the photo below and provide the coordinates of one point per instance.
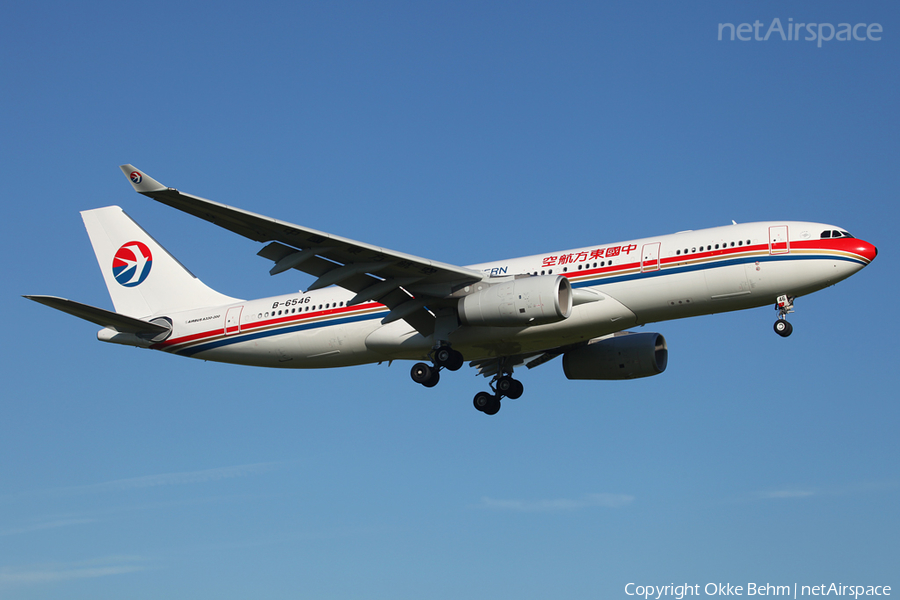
(102, 317)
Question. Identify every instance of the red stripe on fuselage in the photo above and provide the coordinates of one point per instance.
(861, 248)
(267, 323)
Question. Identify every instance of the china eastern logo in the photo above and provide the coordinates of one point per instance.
(136, 177)
(132, 263)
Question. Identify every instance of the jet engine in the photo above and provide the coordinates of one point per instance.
(520, 302)
(624, 356)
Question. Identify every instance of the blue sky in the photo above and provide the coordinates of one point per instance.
(464, 132)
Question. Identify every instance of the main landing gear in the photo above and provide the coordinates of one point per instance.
(502, 385)
(444, 357)
(784, 305)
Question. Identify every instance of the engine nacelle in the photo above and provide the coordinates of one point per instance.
(627, 356)
(520, 302)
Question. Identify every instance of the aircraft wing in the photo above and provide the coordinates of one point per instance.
(398, 280)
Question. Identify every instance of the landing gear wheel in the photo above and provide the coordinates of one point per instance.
(784, 304)
(425, 374)
(447, 357)
(509, 387)
(487, 403)
(482, 400)
(783, 328)
(456, 362)
(493, 407)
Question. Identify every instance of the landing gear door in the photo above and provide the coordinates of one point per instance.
(778, 240)
(233, 320)
(650, 257)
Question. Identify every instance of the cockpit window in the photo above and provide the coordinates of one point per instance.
(835, 234)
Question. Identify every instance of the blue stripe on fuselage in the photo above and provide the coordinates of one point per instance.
(240, 337)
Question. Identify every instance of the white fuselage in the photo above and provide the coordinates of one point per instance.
(636, 282)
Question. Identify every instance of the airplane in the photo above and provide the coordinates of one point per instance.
(372, 305)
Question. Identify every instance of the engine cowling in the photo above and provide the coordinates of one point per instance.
(627, 356)
(524, 301)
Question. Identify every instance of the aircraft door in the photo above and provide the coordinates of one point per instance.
(778, 240)
(233, 320)
(650, 257)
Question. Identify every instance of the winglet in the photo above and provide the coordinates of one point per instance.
(141, 182)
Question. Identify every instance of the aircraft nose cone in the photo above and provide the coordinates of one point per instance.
(866, 250)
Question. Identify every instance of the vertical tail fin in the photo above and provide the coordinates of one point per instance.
(143, 279)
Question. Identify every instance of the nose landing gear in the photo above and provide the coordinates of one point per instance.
(785, 306)
(783, 328)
